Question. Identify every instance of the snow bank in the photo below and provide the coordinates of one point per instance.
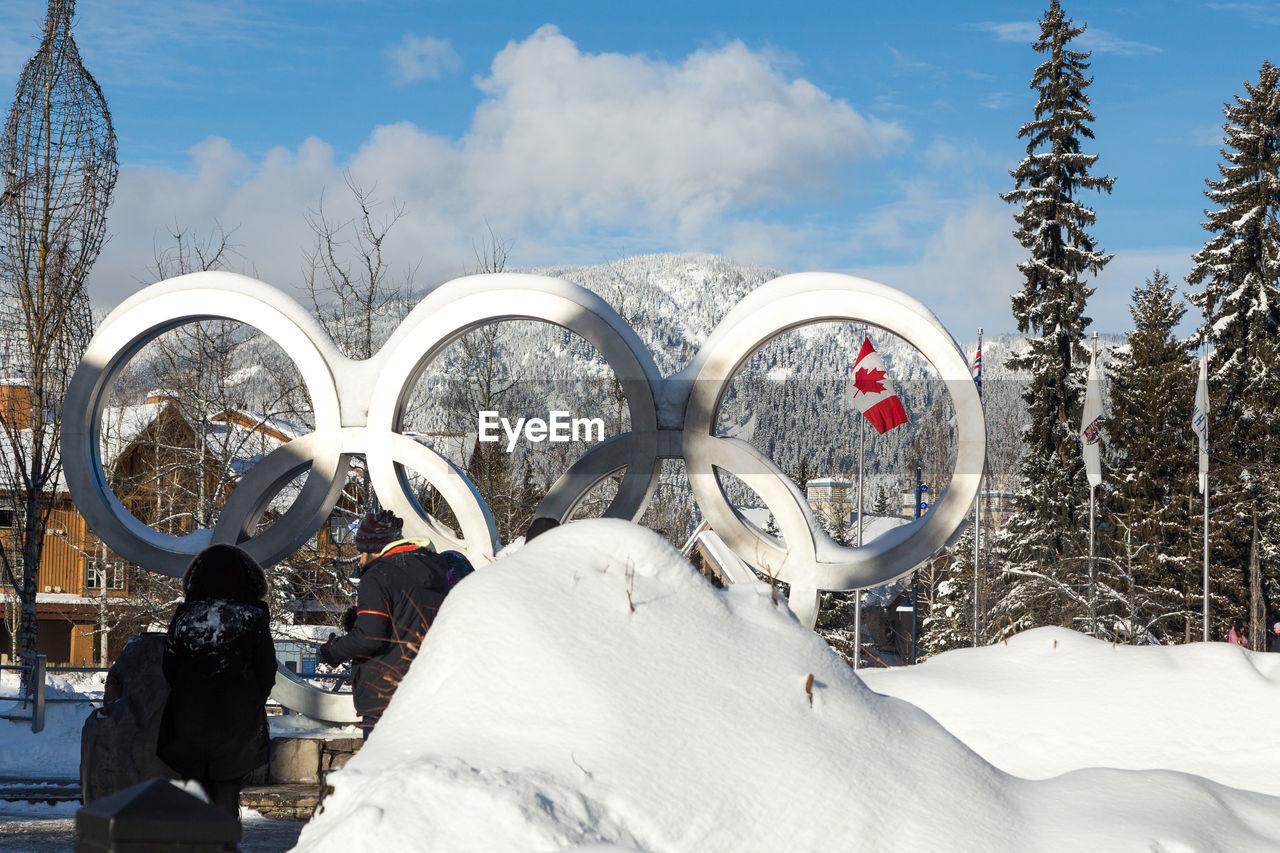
(55, 752)
(592, 689)
(297, 725)
(1053, 700)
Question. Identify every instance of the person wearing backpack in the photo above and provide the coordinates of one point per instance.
(403, 582)
(220, 663)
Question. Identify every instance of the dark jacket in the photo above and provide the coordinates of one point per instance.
(220, 663)
(400, 593)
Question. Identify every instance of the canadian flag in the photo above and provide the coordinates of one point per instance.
(873, 393)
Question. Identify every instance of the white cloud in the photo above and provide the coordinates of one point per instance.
(1206, 135)
(1102, 41)
(1262, 13)
(997, 100)
(966, 271)
(566, 148)
(1129, 269)
(1021, 31)
(1092, 39)
(606, 138)
(422, 57)
(112, 36)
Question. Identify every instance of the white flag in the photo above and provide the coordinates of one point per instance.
(1091, 425)
(1200, 419)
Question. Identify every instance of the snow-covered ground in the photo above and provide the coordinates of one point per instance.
(1053, 701)
(592, 689)
(55, 752)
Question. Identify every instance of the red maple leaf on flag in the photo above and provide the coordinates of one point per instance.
(869, 381)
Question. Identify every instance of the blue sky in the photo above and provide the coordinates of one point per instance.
(866, 138)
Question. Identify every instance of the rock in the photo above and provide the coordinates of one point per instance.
(294, 760)
(118, 741)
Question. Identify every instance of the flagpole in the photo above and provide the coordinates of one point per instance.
(862, 454)
(1206, 559)
(1204, 483)
(1093, 606)
(876, 400)
(977, 509)
(857, 593)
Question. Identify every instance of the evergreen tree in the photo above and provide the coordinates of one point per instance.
(946, 605)
(948, 618)
(1237, 274)
(881, 506)
(1050, 512)
(836, 622)
(804, 472)
(1152, 385)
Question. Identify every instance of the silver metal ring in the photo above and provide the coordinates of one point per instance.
(359, 406)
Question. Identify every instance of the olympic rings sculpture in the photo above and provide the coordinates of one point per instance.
(359, 405)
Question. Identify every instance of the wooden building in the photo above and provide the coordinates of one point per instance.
(173, 472)
(79, 583)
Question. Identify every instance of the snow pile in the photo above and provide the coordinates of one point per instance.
(55, 752)
(1053, 700)
(297, 725)
(592, 689)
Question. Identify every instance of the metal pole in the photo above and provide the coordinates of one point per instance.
(1204, 354)
(1093, 610)
(1093, 604)
(915, 575)
(977, 524)
(1206, 560)
(857, 629)
(37, 705)
(862, 455)
(858, 593)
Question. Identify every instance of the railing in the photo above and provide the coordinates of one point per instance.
(36, 701)
(39, 698)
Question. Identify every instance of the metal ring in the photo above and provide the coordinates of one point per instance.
(138, 321)
(463, 304)
(784, 304)
(359, 408)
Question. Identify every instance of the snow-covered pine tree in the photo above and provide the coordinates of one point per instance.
(1152, 385)
(1050, 519)
(947, 611)
(881, 505)
(1237, 275)
(948, 623)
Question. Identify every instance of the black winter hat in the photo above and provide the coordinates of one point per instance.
(377, 530)
(224, 572)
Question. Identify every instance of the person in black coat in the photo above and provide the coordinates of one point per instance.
(403, 582)
(220, 663)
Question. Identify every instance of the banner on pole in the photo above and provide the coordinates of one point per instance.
(1200, 419)
(1091, 425)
